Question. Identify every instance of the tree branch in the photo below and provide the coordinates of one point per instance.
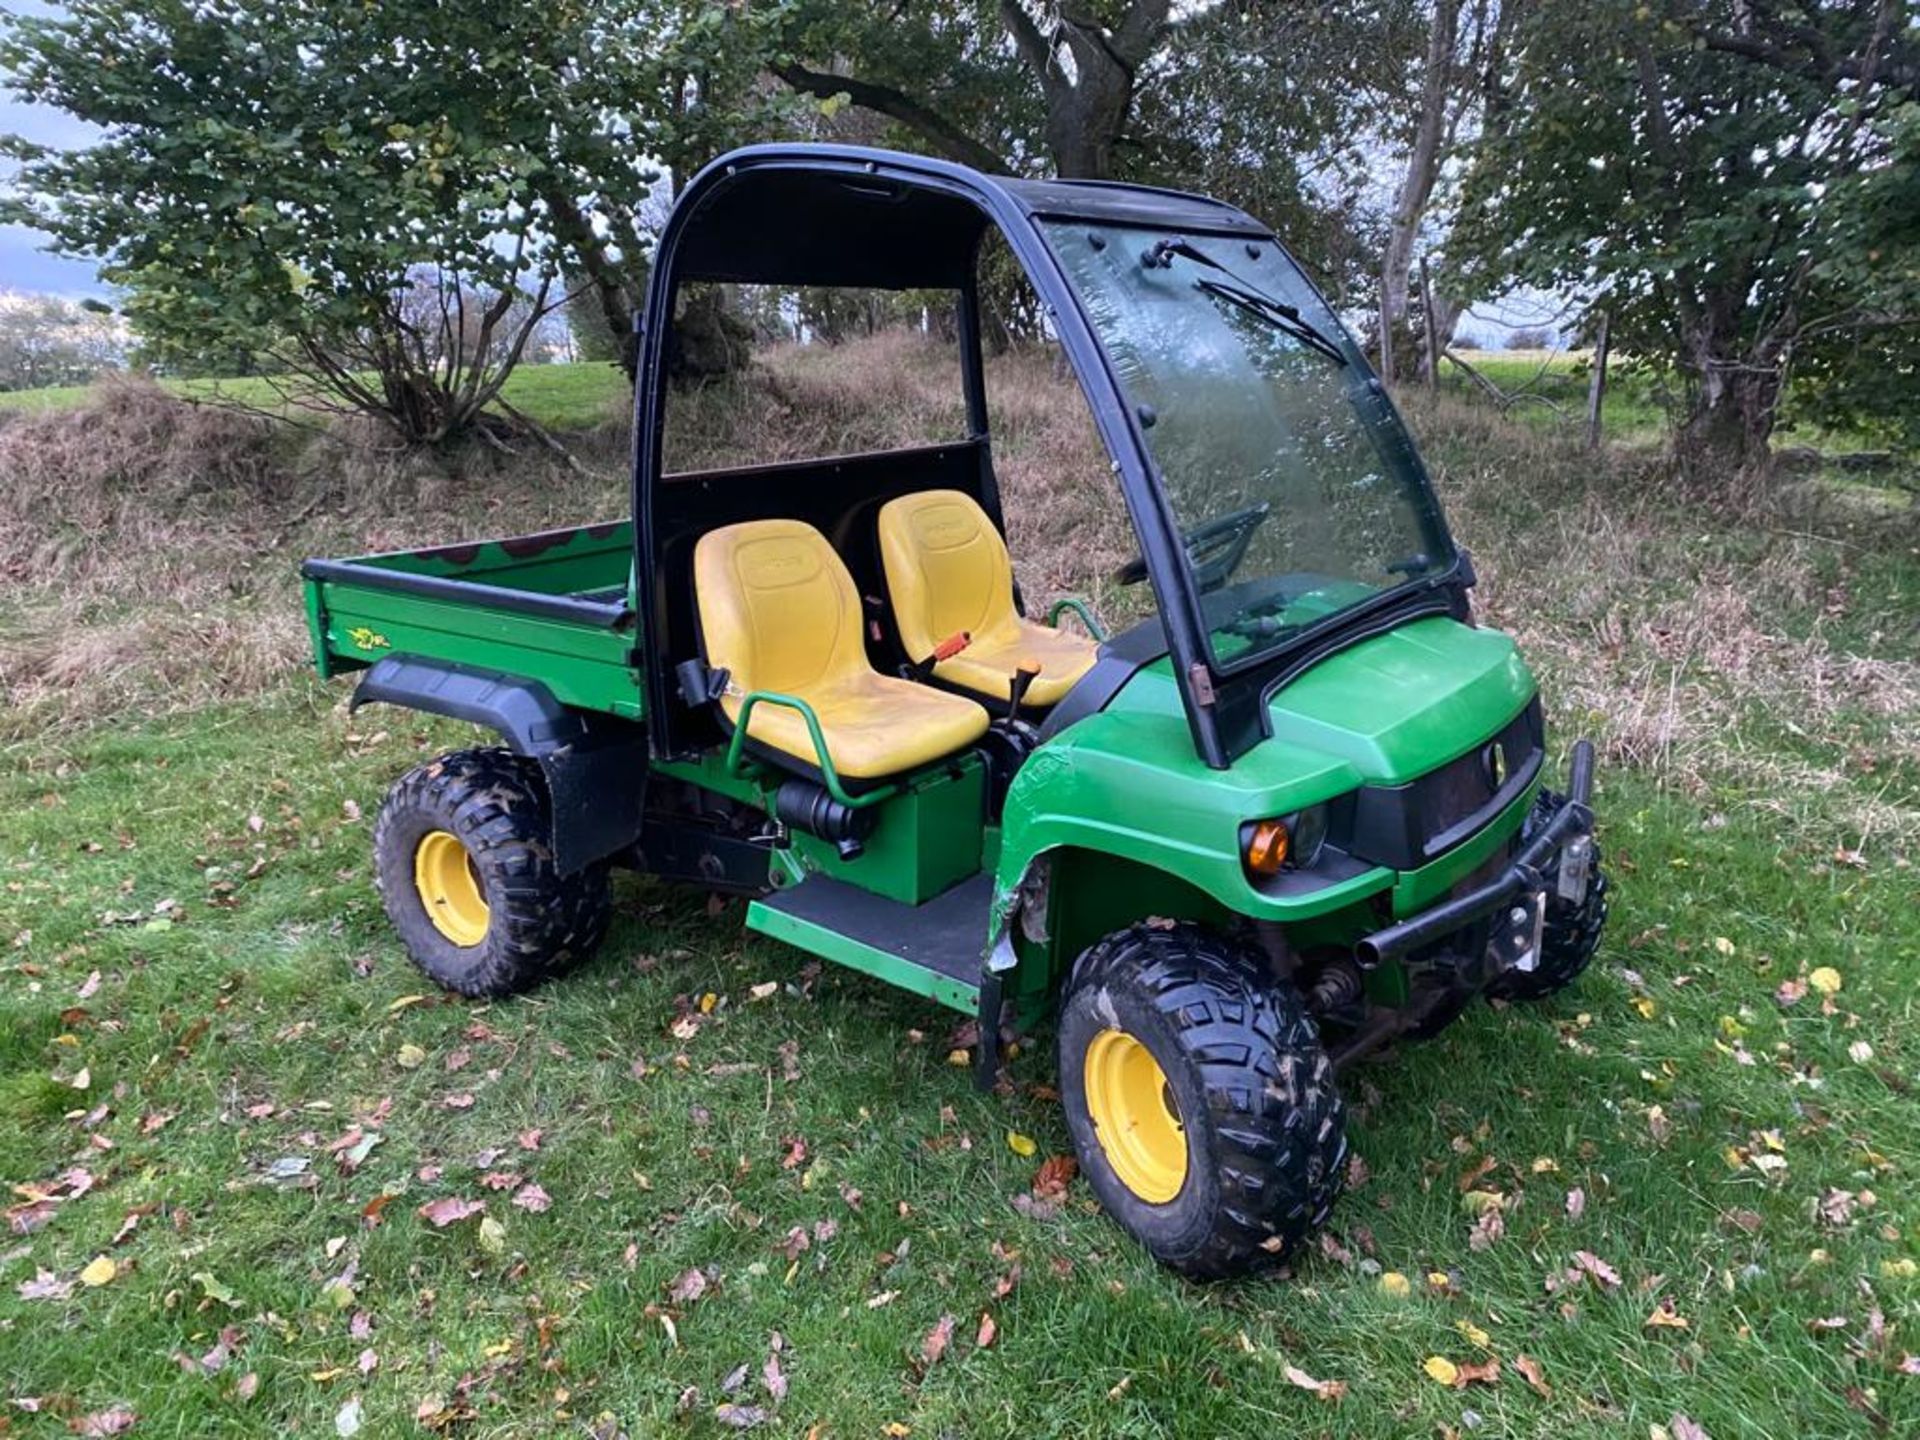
(896, 105)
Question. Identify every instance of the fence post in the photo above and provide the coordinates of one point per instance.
(1386, 336)
(1428, 327)
(1597, 384)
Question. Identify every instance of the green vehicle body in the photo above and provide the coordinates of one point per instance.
(1116, 818)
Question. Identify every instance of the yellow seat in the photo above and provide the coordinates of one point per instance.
(779, 612)
(948, 572)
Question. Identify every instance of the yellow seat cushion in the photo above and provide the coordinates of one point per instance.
(948, 571)
(778, 611)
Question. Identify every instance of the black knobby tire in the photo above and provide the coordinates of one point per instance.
(1571, 933)
(538, 923)
(1264, 1126)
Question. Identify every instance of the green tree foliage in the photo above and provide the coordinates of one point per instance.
(1743, 207)
(1260, 103)
(380, 197)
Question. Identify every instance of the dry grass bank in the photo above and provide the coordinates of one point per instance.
(149, 549)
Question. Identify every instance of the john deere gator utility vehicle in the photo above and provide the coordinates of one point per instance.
(1293, 814)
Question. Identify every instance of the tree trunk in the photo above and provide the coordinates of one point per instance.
(1735, 396)
(1726, 432)
(1423, 164)
(1087, 73)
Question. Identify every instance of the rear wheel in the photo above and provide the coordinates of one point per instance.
(1200, 1100)
(1571, 933)
(465, 871)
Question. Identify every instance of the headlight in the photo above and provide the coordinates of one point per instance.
(1291, 842)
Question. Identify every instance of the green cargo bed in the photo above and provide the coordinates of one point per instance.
(556, 606)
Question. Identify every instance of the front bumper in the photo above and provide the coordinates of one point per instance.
(1558, 856)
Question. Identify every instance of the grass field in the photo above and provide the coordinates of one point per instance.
(566, 397)
(225, 1096)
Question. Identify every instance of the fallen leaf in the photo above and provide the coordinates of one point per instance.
(45, 1285)
(1645, 1006)
(1576, 1203)
(116, 1421)
(1487, 1230)
(934, 1345)
(493, 1236)
(100, 1271)
(773, 1377)
(740, 1417)
(532, 1197)
(1395, 1284)
(885, 1297)
(1056, 1173)
(1826, 980)
(346, 1421)
(1487, 1372)
(1021, 1145)
(1328, 1390)
(989, 1332)
(213, 1289)
(411, 1056)
(1596, 1267)
(1441, 1369)
(1474, 1334)
(450, 1210)
(1666, 1317)
(1683, 1428)
(1535, 1376)
(1722, 945)
(688, 1286)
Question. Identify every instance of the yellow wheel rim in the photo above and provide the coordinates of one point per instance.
(450, 888)
(1135, 1116)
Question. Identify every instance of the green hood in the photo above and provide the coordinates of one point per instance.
(1397, 705)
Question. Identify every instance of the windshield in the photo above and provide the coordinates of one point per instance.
(1297, 491)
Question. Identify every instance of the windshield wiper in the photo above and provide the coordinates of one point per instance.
(1277, 313)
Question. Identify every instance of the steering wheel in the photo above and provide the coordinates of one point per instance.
(1214, 547)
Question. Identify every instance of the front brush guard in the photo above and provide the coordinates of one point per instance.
(1532, 871)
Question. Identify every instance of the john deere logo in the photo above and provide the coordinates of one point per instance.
(1494, 760)
(369, 639)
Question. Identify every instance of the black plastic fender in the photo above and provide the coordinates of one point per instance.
(595, 765)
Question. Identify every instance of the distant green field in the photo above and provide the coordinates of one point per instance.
(560, 397)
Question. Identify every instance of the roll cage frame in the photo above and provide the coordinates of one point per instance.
(1226, 713)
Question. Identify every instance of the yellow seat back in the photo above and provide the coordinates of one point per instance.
(947, 570)
(778, 610)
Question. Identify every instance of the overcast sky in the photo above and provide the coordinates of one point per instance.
(24, 264)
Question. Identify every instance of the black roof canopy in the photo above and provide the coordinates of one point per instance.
(842, 215)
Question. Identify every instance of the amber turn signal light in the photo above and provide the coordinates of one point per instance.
(1267, 847)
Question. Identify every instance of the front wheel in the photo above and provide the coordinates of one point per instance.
(1200, 1100)
(465, 870)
